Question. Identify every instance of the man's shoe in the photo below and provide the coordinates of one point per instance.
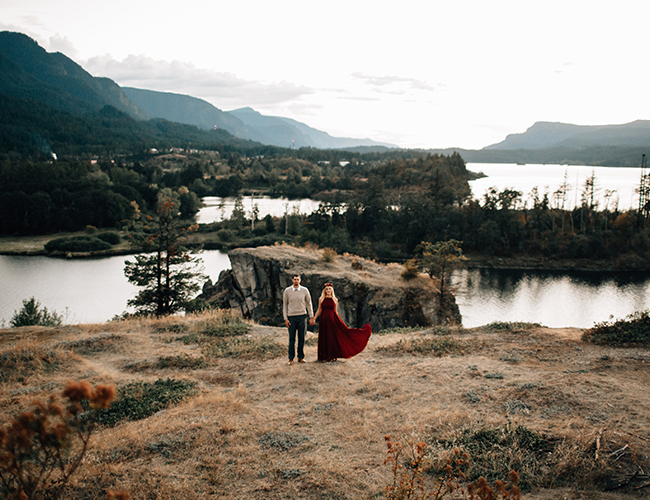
(290, 361)
(300, 360)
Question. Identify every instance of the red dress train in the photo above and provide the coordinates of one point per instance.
(335, 339)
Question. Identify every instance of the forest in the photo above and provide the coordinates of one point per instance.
(378, 207)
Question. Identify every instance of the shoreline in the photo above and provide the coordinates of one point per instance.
(34, 246)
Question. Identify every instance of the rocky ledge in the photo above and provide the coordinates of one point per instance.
(368, 292)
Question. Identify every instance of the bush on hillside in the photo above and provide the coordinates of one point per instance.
(110, 237)
(633, 330)
(77, 244)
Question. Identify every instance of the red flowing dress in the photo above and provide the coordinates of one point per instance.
(335, 339)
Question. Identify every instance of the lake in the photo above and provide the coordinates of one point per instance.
(623, 182)
(548, 178)
(217, 209)
(95, 290)
(82, 290)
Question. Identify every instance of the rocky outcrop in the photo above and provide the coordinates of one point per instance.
(368, 292)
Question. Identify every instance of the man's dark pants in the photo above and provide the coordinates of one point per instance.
(297, 324)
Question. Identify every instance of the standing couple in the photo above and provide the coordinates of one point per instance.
(335, 339)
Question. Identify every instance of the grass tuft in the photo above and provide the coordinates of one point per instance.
(511, 326)
(431, 346)
(19, 362)
(259, 348)
(139, 400)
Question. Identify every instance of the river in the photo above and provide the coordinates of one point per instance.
(95, 290)
(622, 183)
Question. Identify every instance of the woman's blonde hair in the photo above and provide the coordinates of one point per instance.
(322, 295)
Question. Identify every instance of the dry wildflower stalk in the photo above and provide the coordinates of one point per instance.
(36, 456)
(409, 477)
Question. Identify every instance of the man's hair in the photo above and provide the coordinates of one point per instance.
(296, 275)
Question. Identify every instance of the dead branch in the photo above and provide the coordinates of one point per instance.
(619, 453)
(600, 435)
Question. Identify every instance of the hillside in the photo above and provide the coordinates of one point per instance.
(563, 135)
(30, 72)
(186, 109)
(285, 132)
(570, 417)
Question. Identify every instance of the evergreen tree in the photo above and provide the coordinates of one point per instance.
(32, 314)
(167, 273)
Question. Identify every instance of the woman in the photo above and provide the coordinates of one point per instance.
(335, 339)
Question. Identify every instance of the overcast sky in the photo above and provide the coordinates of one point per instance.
(423, 73)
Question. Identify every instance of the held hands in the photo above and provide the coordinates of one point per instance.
(312, 321)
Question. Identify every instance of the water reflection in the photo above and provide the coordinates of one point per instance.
(95, 290)
(577, 299)
(217, 209)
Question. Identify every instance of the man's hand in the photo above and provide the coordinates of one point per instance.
(312, 321)
(287, 322)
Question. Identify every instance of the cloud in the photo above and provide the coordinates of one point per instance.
(224, 90)
(63, 45)
(401, 85)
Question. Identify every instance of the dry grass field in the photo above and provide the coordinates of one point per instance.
(572, 418)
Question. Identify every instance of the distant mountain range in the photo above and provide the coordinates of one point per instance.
(543, 135)
(245, 123)
(27, 71)
(46, 98)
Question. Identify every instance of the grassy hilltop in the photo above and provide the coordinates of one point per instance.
(207, 407)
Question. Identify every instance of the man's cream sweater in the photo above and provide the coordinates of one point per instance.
(296, 302)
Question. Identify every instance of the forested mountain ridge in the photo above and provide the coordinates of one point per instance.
(245, 123)
(564, 135)
(286, 132)
(30, 72)
(186, 109)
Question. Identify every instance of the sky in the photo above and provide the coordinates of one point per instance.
(416, 74)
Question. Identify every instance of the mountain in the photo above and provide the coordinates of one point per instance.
(245, 123)
(186, 109)
(27, 71)
(543, 135)
(285, 132)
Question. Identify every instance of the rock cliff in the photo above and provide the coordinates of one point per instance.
(368, 292)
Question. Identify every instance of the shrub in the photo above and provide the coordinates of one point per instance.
(409, 467)
(140, 400)
(32, 314)
(495, 449)
(77, 244)
(633, 330)
(226, 235)
(356, 265)
(38, 449)
(328, 255)
(110, 237)
(411, 270)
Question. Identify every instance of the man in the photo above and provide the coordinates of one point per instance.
(296, 307)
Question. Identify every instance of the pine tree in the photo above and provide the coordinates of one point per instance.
(167, 273)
